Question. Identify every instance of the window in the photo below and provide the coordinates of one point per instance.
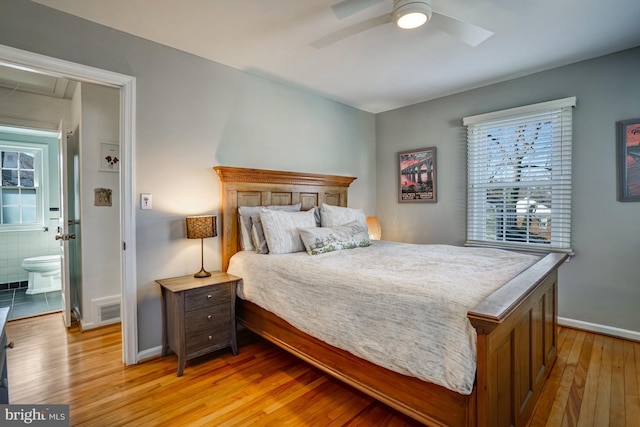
(21, 194)
(519, 177)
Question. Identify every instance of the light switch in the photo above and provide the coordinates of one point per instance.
(145, 201)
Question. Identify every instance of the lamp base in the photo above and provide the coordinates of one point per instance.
(202, 273)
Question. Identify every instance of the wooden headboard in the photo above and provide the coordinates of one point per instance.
(260, 187)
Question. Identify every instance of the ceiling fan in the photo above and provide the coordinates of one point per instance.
(406, 14)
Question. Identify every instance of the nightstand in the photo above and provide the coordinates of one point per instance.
(198, 315)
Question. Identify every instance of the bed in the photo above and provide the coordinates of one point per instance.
(515, 325)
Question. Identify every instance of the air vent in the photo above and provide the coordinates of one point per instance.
(109, 312)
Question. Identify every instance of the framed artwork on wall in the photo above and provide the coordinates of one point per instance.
(628, 135)
(417, 175)
(109, 157)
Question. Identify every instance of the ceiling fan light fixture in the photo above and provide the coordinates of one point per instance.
(410, 14)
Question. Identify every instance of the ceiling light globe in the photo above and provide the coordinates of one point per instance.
(411, 20)
(410, 14)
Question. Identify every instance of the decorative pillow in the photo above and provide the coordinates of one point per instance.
(334, 216)
(319, 240)
(281, 229)
(244, 221)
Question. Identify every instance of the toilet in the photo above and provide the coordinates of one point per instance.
(44, 273)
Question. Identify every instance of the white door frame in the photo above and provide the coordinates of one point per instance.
(127, 85)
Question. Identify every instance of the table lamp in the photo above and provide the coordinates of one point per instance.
(201, 227)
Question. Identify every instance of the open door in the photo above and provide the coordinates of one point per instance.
(63, 235)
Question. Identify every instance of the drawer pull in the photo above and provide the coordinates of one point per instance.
(210, 337)
(10, 345)
(209, 317)
(209, 296)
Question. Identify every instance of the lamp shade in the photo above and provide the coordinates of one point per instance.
(375, 231)
(201, 227)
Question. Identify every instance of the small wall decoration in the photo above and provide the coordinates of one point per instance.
(417, 175)
(629, 160)
(109, 157)
(102, 197)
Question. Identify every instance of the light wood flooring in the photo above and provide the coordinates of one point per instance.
(595, 382)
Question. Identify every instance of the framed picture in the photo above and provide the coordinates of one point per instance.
(109, 157)
(417, 175)
(629, 160)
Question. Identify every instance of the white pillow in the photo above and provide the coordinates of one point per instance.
(244, 221)
(281, 229)
(320, 240)
(334, 216)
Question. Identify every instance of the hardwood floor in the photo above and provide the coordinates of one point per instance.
(595, 382)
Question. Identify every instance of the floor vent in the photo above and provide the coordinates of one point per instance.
(109, 312)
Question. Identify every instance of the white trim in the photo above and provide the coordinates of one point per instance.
(22, 130)
(600, 329)
(526, 109)
(29, 124)
(128, 224)
(150, 353)
(127, 85)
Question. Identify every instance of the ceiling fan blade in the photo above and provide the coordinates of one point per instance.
(351, 30)
(468, 33)
(349, 7)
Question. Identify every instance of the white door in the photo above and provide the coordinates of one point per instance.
(63, 226)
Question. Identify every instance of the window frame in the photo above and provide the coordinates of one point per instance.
(558, 114)
(41, 175)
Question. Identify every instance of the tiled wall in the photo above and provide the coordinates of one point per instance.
(16, 246)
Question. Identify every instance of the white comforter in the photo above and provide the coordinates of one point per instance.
(398, 305)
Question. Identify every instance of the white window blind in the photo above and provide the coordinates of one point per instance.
(519, 177)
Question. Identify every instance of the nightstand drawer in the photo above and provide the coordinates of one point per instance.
(218, 337)
(208, 317)
(207, 297)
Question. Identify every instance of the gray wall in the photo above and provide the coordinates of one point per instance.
(600, 284)
(193, 114)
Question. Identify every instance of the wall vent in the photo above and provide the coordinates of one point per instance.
(104, 311)
(109, 312)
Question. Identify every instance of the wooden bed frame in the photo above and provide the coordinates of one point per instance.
(516, 325)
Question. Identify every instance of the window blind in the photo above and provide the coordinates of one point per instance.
(519, 177)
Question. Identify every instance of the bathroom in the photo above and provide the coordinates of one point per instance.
(92, 112)
(17, 246)
(26, 247)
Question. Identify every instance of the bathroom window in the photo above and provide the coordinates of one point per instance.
(21, 195)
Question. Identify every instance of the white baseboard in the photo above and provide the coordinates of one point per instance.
(149, 353)
(600, 329)
(85, 326)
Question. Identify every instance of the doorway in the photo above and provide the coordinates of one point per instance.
(30, 258)
(126, 85)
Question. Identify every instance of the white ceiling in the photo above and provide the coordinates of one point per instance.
(15, 79)
(383, 68)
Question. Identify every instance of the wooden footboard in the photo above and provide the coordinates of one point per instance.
(517, 332)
